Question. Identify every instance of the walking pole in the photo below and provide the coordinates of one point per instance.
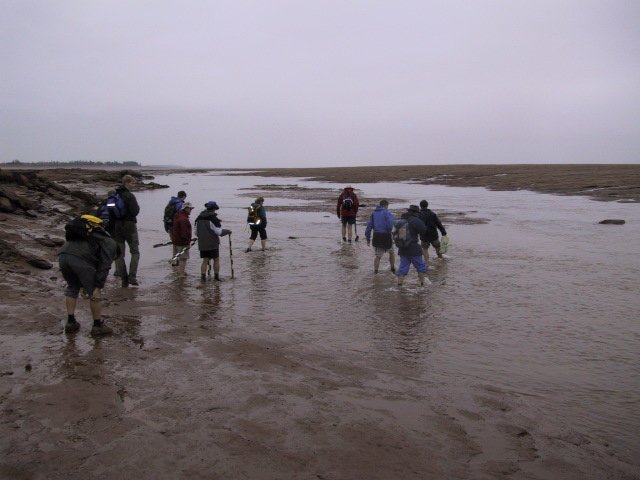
(231, 255)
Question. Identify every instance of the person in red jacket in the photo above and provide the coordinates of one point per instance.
(347, 209)
(181, 236)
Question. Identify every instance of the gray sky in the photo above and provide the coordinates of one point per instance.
(320, 83)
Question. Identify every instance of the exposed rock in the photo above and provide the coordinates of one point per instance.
(39, 263)
(31, 214)
(6, 205)
(612, 221)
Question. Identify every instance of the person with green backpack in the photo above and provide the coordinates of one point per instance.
(124, 209)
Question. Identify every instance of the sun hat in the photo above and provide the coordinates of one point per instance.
(211, 205)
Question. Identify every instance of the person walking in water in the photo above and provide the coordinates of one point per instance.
(406, 234)
(347, 210)
(257, 220)
(209, 230)
(181, 237)
(125, 211)
(85, 260)
(381, 224)
(173, 206)
(433, 224)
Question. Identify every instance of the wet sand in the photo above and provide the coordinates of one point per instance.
(204, 398)
(599, 182)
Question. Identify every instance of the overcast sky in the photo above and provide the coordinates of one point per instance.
(320, 83)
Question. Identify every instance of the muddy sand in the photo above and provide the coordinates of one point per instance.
(74, 407)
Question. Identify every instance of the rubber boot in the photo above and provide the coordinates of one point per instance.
(264, 244)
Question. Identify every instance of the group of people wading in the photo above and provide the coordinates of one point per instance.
(93, 242)
(413, 234)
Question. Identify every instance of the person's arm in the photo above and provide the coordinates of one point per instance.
(134, 208)
(443, 232)
(107, 249)
(356, 203)
(339, 206)
(367, 232)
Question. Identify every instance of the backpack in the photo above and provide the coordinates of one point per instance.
(347, 203)
(116, 206)
(169, 212)
(401, 235)
(77, 229)
(252, 217)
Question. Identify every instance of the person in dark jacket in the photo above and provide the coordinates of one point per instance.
(433, 224)
(173, 206)
(209, 230)
(381, 224)
(347, 211)
(126, 230)
(181, 236)
(258, 226)
(411, 254)
(85, 263)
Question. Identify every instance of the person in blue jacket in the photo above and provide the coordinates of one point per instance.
(381, 224)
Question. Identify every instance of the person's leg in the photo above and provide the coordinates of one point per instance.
(421, 267)
(252, 238)
(349, 230)
(392, 260)
(425, 249)
(263, 238)
(134, 250)
(376, 264)
(403, 268)
(436, 247)
(216, 269)
(204, 265)
(68, 266)
(98, 328)
(344, 229)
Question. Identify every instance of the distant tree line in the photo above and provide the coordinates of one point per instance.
(75, 163)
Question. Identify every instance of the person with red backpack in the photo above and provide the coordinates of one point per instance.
(347, 210)
(181, 237)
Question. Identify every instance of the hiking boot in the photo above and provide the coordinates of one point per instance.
(133, 281)
(100, 329)
(393, 270)
(217, 278)
(125, 281)
(203, 277)
(344, 239)
(247, 250)
(71, 327)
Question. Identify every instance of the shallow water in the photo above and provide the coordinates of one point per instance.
(540, 303)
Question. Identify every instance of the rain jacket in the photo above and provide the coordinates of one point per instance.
(99, 251)
(208, 230)
(416, 228)
(381, 221)
(433, 224)
(176, 203)
(342, 212)
(131, 205)
(181, 232)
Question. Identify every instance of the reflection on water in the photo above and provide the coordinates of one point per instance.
(540, 302)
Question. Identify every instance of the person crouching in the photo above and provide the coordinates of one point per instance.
(85, 260)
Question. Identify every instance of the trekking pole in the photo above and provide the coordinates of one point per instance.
(231, 255)
(162, 244)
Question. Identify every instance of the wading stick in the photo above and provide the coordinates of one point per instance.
(231, 255)
(162, 244)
